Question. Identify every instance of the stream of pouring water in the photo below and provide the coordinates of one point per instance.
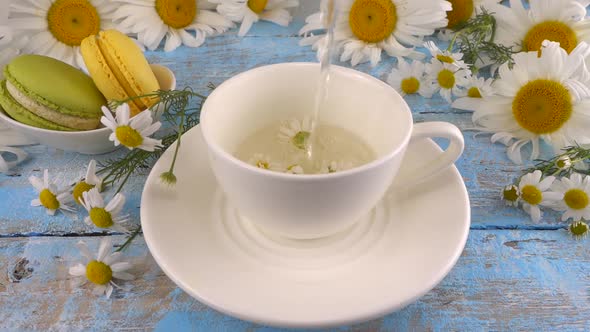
(328, 18)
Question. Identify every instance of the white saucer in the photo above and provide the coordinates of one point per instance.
(401, 251)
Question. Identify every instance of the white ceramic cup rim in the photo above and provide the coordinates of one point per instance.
(305, 177)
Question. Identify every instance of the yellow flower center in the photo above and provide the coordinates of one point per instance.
(177, 14)
(257, 6)
(542, 106)
(70, 21)
(531, 195)
(262, 164)
(510, 194)
(461, 12)
(578, 228)
(410, 85)
(552, 30)
(473, 92)
(445, 58)
(101, 217)
(48, 199)
(576, 199)
(372, 20)
(99, 273)
(446, 79)
(80, 188)
(128, 136)
(563, 163)
(300, 139)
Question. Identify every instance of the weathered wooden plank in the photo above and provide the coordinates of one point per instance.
(505, 280)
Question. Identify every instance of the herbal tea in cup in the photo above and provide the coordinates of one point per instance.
(253, 125)
(282, 147)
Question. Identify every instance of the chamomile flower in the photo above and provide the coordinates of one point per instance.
(294, 169)
(542, 97)
(265, 162)
(525, 29)
(91, 180)
(131, 133)
(511, 195)
(250, 11)
(473, 93)
(462, 11)
(578, 229)
(101, 270)
(186, 22)
(446, 78)
(575, 193)
(453, 58)
(534, 193)
(408, 78)
(101, 215)
(57, 27)
(295, 132)
(50, 196)
(335, 166)
(563, 163)
(366, 28)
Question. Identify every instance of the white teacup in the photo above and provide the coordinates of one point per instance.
(312, 206)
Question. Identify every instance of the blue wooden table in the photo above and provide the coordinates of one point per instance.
(512, 275)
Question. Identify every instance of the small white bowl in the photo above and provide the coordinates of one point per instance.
(90, 141)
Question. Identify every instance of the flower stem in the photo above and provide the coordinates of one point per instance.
(129, 239)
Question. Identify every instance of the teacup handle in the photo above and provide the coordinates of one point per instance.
(446, 159)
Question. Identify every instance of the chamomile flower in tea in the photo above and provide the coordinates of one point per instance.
(296, 132)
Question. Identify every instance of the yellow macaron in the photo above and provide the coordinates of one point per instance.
(119, 69)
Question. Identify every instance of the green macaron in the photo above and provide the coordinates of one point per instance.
(44, 92)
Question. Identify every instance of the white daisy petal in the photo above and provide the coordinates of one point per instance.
(104, 247)
(78, 270)
(142, 18)
(550, 78)
(123, 275)
(29, 20)
(414, 20)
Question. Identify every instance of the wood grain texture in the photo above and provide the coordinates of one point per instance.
(504, 280)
